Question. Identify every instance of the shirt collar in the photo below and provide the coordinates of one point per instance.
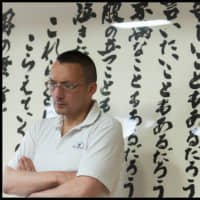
(91, 117)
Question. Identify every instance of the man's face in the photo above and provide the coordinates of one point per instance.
(73, 101)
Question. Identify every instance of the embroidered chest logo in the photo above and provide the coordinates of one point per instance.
(79, 145)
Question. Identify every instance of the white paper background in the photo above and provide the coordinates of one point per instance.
(33, 18)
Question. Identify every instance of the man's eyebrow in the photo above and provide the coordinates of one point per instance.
(60, 82)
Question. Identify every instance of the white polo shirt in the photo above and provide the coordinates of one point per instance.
(93, 148)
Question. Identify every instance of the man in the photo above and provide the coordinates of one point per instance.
(78, 153)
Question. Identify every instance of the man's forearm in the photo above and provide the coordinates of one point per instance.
(82, 186)
(23, 183)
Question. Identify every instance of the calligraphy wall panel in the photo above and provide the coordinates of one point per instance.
(148, 78)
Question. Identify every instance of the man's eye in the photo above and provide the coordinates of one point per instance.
(66, 85)
(52, 83)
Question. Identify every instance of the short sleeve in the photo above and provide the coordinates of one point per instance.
(26, 148)
(104, 155)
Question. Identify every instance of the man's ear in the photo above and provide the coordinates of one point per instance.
(92, 88)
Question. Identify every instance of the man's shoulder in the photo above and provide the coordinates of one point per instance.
(108, 130)
(108, 122)
(109, 119)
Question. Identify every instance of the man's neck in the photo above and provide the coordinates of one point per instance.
(71, 121)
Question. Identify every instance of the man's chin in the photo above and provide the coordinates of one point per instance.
(58, 110)
(61, 109)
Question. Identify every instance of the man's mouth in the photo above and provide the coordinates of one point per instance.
(59, 104)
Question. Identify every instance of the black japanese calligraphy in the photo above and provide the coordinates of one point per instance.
(192, 152)
(163, 126)
(110, 12)
(7, 26)
(85, 13)
(50, 48)
(110, 48)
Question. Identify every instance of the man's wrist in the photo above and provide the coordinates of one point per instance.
(62, 176)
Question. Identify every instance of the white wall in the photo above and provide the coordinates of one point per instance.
(182, 177)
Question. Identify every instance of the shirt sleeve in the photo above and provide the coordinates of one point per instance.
(26, 148)
(104, 155)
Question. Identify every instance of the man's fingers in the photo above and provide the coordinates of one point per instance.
(25, 164)
(31, 164)
(28, 164)
(21, 165)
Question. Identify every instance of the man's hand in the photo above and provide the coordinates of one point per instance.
(26, 164)
(25, 180)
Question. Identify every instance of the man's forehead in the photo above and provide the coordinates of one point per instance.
(76, 67)
(66, 72)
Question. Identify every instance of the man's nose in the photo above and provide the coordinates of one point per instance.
(58, 92)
